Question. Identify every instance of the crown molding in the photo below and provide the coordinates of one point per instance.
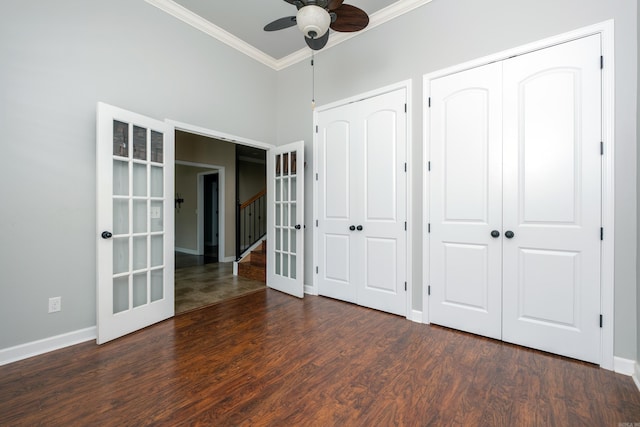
(185, 15)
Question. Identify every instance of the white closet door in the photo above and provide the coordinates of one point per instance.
(335, 200)
(465, 204)
(552, 185)
(362, 188)
(381, 205)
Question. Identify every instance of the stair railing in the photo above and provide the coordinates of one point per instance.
(251, 224)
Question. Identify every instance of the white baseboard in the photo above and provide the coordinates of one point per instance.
(636, 375)
(35, 348)
(186, 251)
(228, 259)
(623, 366)
(310, 290)
(416, 316)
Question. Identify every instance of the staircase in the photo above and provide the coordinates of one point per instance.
(254, 265)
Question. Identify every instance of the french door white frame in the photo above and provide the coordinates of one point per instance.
(406, 85)
(606, 31)
(220, 171)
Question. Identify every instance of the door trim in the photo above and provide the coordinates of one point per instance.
(606, 31)
(407, 86)
(220, 171)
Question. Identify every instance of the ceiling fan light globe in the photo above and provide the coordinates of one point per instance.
(313, 21)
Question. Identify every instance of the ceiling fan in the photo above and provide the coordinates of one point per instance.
(315, 17)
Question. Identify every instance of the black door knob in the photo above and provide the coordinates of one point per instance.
(509, 234)
(359, 228)
(495, 234)
(106, 235)
(297, 227)
(352, 227)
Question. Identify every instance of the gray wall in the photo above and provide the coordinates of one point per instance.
(638, 177)
(58, 59)
(448, 32)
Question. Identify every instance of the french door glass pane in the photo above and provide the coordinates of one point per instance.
(139, 179)
(120, 178)
(285, 240)
(157, 148)
(120, 216)
(139, 252)
(294, 158)
(157, 222)
(293, 266)
(157, 285)
(139, 216)
(120, 255)
(120, 294)
(293, 188)
(156, 250)
(139, 289)
(157, 178)
(278, 262)
(139, 143)
(120, 139)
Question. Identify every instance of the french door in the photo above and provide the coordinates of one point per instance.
(515, 201)
(135, 265)
(362, 197)
(285, 201)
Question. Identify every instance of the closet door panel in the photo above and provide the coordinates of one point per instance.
(465, 205)
(552, 187)
(335, 199)
(382, 238)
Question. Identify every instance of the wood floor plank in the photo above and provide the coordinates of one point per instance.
(267, 359)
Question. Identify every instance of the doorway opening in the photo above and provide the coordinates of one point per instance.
(207, 177)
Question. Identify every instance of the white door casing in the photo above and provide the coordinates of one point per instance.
(135, 264)
(466, 201)
(551, 209)
(285, 218)
(362, 202)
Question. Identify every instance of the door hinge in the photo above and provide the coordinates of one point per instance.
(429, 290)
(601, 233)
(405, 286)
(405, 108)
(316, 223)
(405, 167)
(405, 226)
(429, 102)
(601, 320)
(601, 148)
(316, 128)
(601, 62)
(316, 176)
(429, 166)
(429, 228)
(316, 269)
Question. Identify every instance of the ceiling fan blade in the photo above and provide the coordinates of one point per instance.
(318, 43)
(349, 19)
(280, 24)
(296, 3)
(334, 4)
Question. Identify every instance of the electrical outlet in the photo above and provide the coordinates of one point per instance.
(55, 304)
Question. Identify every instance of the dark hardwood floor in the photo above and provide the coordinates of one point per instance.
(270, 359)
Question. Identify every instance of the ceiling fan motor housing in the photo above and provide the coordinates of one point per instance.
(313, 21)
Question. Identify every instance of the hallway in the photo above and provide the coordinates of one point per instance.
(198, 284)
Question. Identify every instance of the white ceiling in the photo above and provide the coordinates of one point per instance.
(239, 23)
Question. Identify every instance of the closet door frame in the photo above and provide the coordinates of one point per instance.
(411, 313)
(606, 31)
